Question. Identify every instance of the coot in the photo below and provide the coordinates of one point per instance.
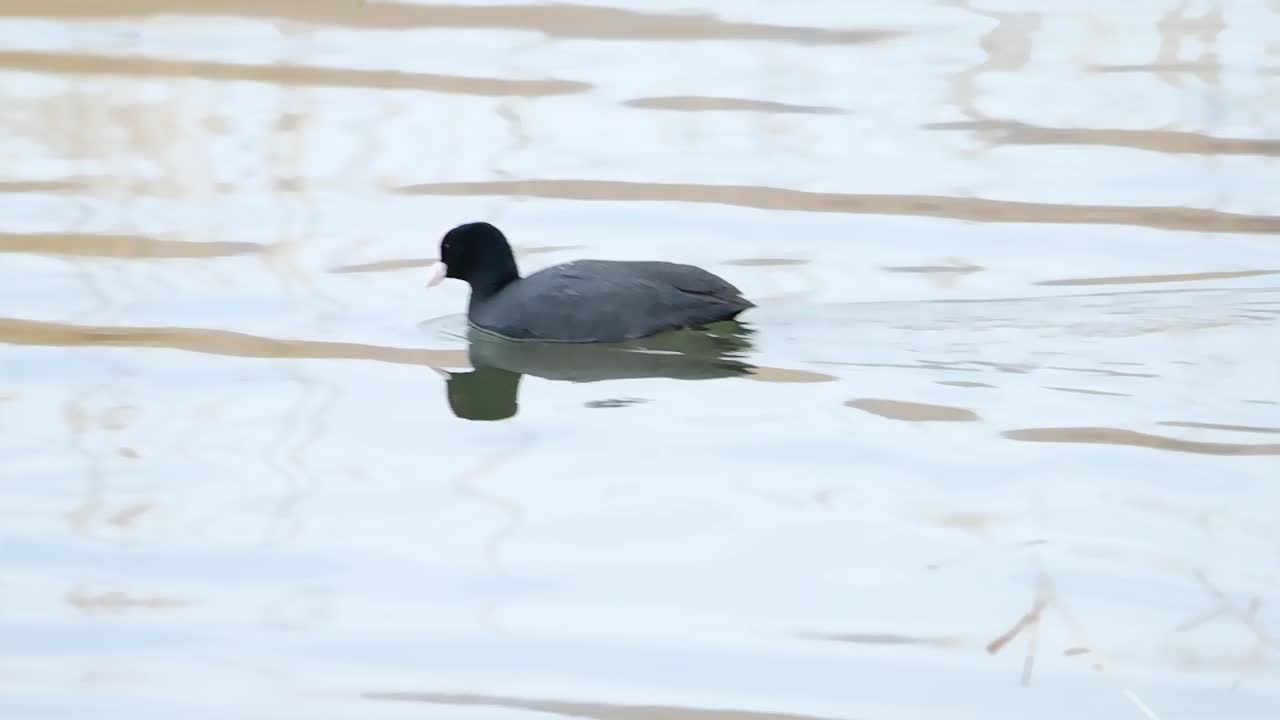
(583, 301)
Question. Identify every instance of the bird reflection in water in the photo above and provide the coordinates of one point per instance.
(490, 390)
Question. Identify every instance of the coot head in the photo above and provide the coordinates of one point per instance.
(477, 253)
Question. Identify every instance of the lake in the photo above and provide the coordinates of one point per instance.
(1001, 440)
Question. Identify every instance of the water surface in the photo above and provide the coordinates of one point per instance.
(1000, 441)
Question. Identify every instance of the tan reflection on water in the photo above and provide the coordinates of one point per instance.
(1008, 132)
(912, 411)
(1006, 47)
(39, 186)
(1220, 426)
(565, 20)
(83, 64)
(121, 246)
(235, 344)
(1181, 28)
(216, 342)
(1116, 436)
(775, 198)
(385, 265)
(590, 710)
(1152, 279)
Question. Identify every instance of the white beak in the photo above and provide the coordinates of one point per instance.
(438, 273)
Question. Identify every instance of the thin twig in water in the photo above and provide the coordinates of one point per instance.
(1046, 597)
(1264, 641)
(1030, 622)
(1226, 607)
(1033, 640)
(1100, 661)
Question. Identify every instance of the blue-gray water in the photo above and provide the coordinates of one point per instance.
(1000, 442)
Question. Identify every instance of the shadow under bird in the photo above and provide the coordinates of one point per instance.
(490, 390)
(583, 301)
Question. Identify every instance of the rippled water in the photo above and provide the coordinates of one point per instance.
(1000, 441)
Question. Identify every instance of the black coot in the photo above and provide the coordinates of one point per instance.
(582, 301)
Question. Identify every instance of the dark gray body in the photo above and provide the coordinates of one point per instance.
(606, 301)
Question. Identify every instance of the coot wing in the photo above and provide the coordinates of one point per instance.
(606, 301)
